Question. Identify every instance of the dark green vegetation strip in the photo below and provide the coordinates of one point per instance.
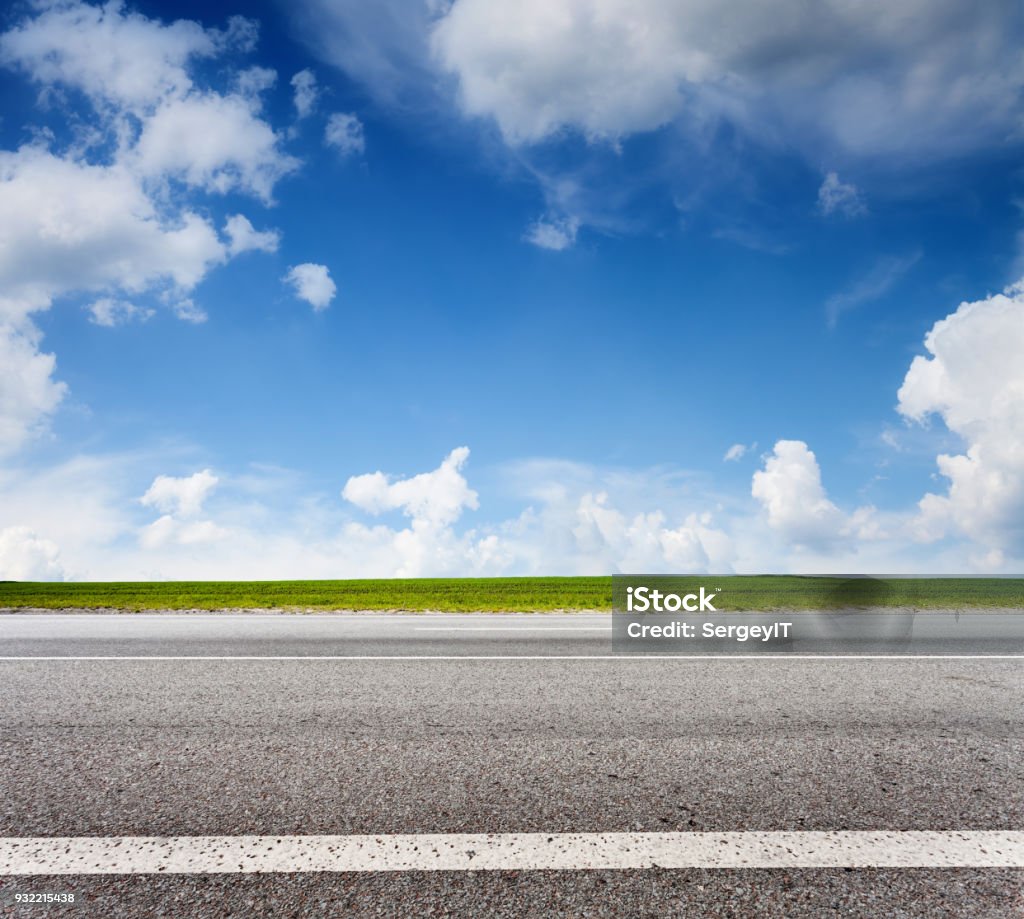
(507, 594)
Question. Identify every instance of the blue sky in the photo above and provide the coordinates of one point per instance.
(415, 288)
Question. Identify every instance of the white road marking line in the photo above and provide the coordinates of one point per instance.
(509, 851)
(768, 655)
(512, 628)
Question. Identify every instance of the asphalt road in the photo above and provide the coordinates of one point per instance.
(439, 736)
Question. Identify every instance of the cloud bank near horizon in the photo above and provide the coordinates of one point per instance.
(576, 519)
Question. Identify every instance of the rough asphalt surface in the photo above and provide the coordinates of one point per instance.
(116, 748)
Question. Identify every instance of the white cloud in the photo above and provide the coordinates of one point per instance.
(253, 82)
(213, 142)
(312, 283)
(170, 530)
(926, 79)
(101, 217)
(117, 57)
(38, 496)
(101, 539)
(433, 502)
(110, 312)
(305, 93)
(180, 496)
(28, 392)
(435, 499)
(843, 84)
(384, 44)
(25, 556)
(67, 225)
(344, 132)
(790, 491)
(877, 282)
(553, 233)
(579, 519)
(737, 452)
(607, 539)
(973, 379)
(114, 56)
(181, 501)
(587, 520)
(129, 64)
(187, 310)
(536, 67)
(569, 530)
(842, 197)
(243, 237)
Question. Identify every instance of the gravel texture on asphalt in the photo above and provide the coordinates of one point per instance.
(322, 747)
(336, 747)
(868, 893)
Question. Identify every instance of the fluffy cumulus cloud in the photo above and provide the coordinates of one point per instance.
(129, 65)
(97, 217)
(244, 237)
(28, 392)
(789, 489)
(182, 496)
(110, 54)
(180, 499)
(806, 530)
(433, 502)
(972, 378)
(70, 225)
(926, 78)
(608, 69)
(566, 529)
(432, 499)
(575, 519)
(212, 142)
(25, 556)
(607, 539)
(587, 520)
(344, 132)
(312, 283)
(578, 520)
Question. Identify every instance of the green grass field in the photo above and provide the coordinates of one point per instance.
(508, 594)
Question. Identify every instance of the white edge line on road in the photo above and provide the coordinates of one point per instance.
(509, 851)
(512, 628)
(513, 657)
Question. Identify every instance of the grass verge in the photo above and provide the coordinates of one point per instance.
(758, 592)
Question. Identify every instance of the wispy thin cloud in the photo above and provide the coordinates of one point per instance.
(878, 281)
(838, 197)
